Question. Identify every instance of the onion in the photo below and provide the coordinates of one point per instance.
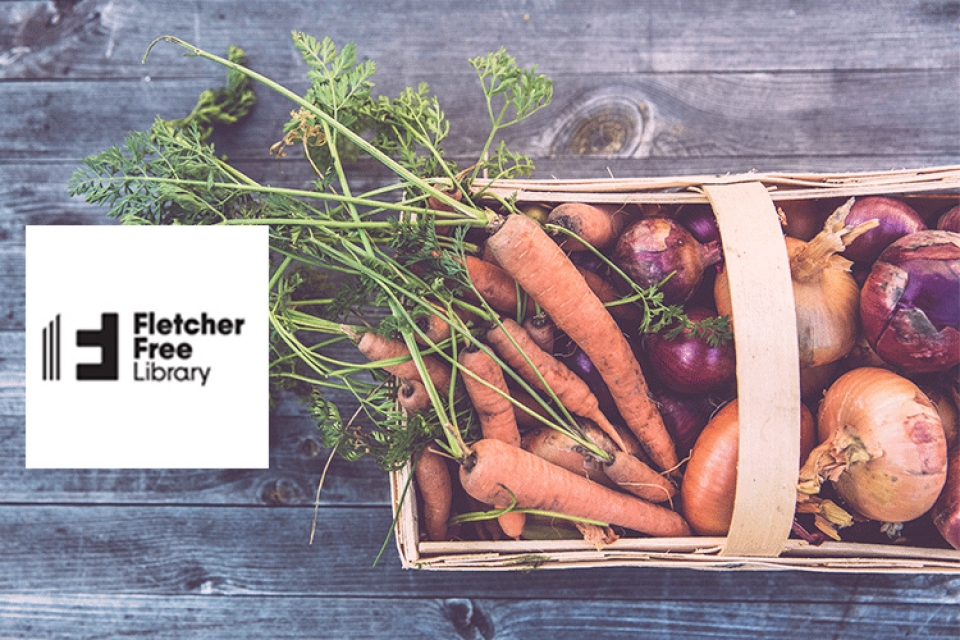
(946, 510)
(684, 416)
(825, 294)
(882, 446)
(910, 303)
(650, 249)
(688, 363)
(896, 219)
(950, 221)
(710, 481)
(699, 220)
(802, 219)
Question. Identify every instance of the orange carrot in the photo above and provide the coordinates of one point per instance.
(434, 327)
(413, 396)
(494, 285)
(541, 268)
(599, 225)
(495, 412)
(524, 419)
(436, 493)
(572, 392)
(560, 449)
(627, 314)
(376, 347)
(633, 475)
(494, 470)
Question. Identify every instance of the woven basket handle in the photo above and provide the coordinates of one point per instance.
(768, 373)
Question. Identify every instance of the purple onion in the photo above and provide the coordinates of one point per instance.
(688, 363)
(896, 218)
(910, 302)
(684, 417)
(950, 221)
(651, 249)
(946, 511)
(699, 220)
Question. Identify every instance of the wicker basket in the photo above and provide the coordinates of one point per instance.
(767, 381)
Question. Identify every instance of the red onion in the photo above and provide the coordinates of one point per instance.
(567, 352)
(910, 302)
(946, 511)
(685, 416)
(896, 218)
(651, 249)
(699, 220)
(688, 363)
(950, 221)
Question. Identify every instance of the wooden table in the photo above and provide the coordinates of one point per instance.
(641, 89)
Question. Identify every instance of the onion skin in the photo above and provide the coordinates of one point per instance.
(946, 510)
(910, 303)
(688, 363)
(950, 221)
(896, 218)
(710, 481)
(827, 308)
(650, 249)
(684, 416)
(882, 446)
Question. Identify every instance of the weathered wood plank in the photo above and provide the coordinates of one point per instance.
(297, 459)
(757, 115)
(180, 551)
(101, 39)
(377, 616)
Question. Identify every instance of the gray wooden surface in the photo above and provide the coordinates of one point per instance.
(642, 88)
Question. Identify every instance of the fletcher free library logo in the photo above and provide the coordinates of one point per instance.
(146, 347)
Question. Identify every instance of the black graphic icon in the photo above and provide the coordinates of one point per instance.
(51, 350)
(106, 339)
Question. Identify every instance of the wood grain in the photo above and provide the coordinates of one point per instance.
(101, 39)
(641, 89)
(455, 617)
(233, 550)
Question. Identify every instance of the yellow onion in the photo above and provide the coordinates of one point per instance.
(710, 481)
(882, 446)
(826, 294)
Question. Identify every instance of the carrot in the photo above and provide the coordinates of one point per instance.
(572, 392)
(636, 477)
(488, 393)
(541, 268)
(541, 330)
(494, 285)
(494, 410)
(434, 327)
(495, 472)
(524, 419)
(436, 492)
(376, 348)
(599, 225)
(560, 449)
(413, 396)
(627, 314)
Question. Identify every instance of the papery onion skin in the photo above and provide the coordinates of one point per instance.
(827, 309)
(710, 480)
(950, 221)
(687, 363)
(650, 249)
(887, 438)
(910, 303)
(946, 510)
(897, 219)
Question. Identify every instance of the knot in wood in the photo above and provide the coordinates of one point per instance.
(607, 122)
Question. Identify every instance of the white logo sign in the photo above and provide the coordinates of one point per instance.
(146, 347)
